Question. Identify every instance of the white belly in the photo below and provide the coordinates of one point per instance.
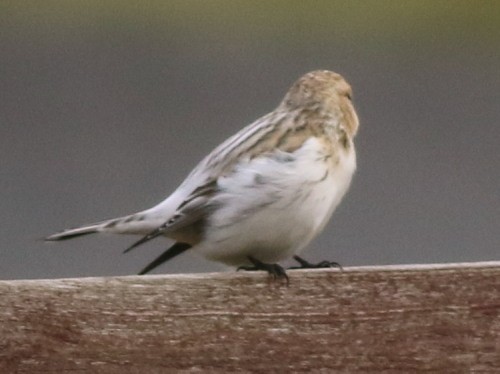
(271, 208)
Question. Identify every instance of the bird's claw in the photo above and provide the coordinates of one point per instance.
(274, 270)
(304, 264)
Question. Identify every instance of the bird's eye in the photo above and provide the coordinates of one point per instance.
(349, 96)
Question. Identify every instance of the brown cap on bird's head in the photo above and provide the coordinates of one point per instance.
(326, 90)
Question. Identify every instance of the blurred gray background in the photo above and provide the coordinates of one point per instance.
(106, 106)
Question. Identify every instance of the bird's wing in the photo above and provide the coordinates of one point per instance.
(279, 130)
(258, 137)
(276, 131)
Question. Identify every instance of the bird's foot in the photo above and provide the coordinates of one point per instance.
(274, 270)
(304, 264)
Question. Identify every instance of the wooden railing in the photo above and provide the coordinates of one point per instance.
(436, 318)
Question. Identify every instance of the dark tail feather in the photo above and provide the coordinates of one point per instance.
(73, 233)
(170, 253)
(153, 234)
(69, 236)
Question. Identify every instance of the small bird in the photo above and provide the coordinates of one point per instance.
(262, 195)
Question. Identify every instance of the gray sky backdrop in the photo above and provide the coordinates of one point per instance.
(105, 106)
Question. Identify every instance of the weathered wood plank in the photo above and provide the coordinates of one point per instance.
(400, 319)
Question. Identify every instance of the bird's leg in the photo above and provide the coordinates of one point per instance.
(274, 270)
(304, 264)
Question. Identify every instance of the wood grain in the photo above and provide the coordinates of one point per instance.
(392, 319)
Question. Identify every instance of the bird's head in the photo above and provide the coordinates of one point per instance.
(327, 91)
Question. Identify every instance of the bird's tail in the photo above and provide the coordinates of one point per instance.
(76, 232)
(133, 224)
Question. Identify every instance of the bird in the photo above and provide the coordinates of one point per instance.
(265, 193)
